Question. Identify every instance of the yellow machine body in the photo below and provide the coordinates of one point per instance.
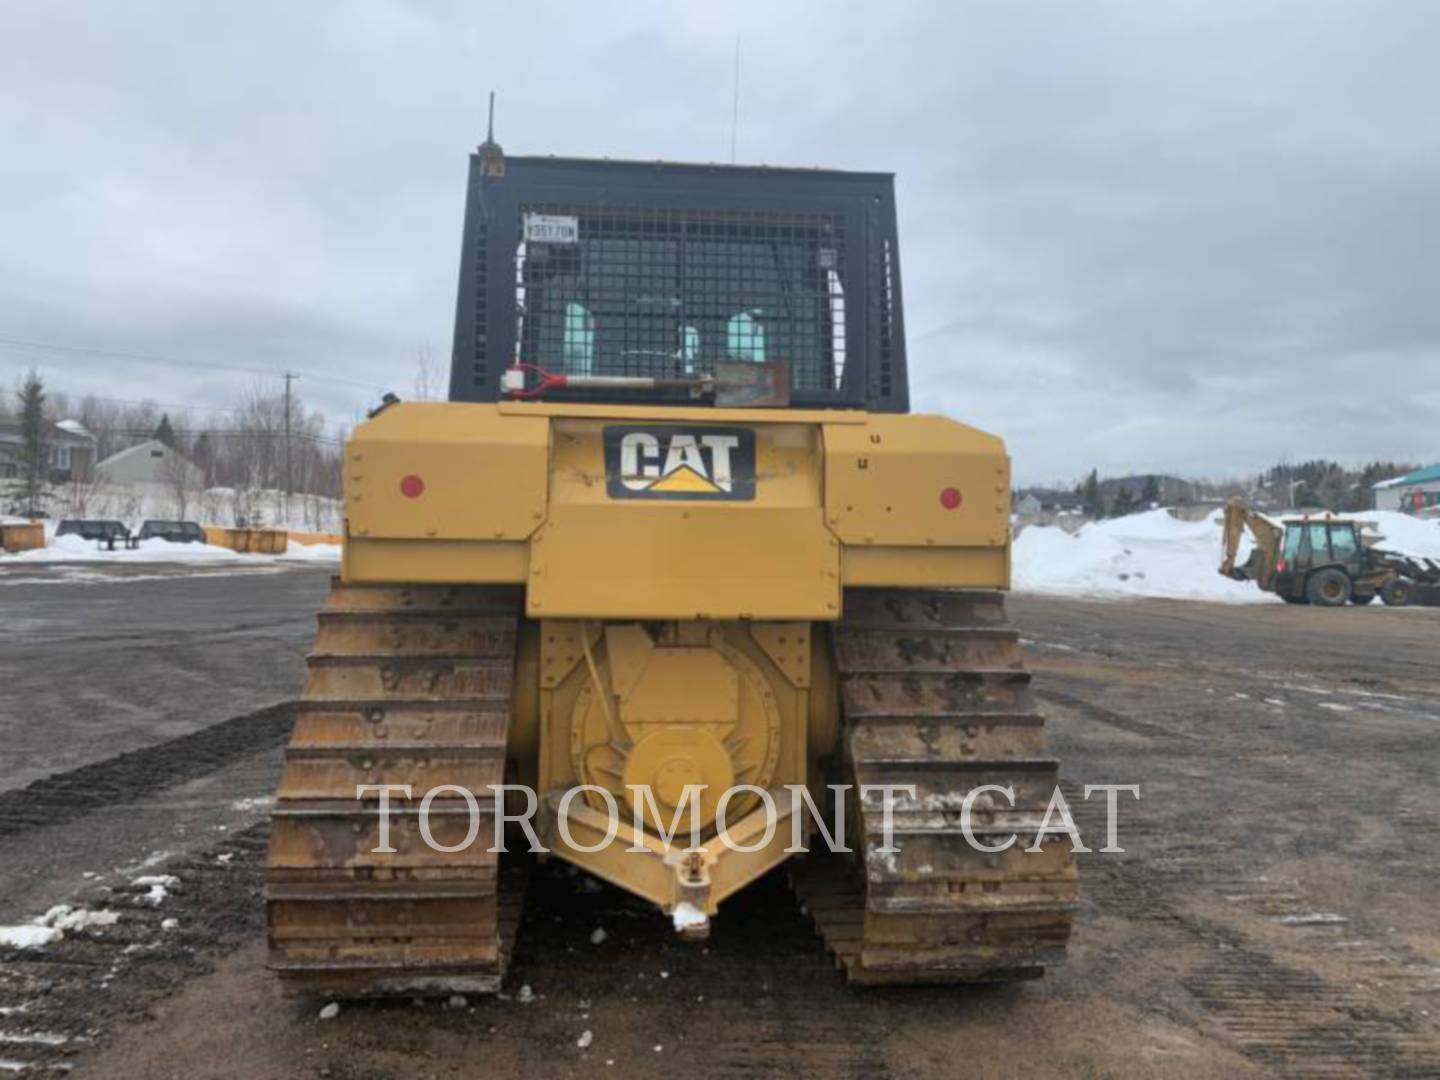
(672, 585)
(517, 493)
(677, 640)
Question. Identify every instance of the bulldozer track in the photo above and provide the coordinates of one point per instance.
(934, 693)
(406, 685)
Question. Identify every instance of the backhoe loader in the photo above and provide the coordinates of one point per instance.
(1323, 560)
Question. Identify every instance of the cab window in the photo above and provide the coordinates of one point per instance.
(1319, 542)
(577, 348)
(1342, 542)
(689, 348)
(745, 338)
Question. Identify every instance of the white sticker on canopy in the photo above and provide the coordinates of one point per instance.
(552, 229)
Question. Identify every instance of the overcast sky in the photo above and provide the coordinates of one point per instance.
(1192, 237)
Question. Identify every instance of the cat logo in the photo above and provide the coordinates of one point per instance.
(710, 463)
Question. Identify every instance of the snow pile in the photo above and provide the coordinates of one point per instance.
(66, 917)
(1155, 554)
(159, 886)
(297, 552)
(1149, 554)
(29, 937)
(1402, 533)
(49, 928)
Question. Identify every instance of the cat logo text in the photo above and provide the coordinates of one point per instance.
(704, 463)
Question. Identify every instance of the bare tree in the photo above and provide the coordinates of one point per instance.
(429, 382)
(182, 480)
(212, 505)
(84, 491)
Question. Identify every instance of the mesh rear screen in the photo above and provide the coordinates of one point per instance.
(665, 293)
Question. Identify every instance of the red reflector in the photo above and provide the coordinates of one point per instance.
(950, 498)
(412, 487)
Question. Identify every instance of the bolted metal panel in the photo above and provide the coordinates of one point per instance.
(920, 481)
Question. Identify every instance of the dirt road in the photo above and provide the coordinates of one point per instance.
(1273, 910)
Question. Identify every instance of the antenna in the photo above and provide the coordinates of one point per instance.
(735, 103)
(492, 157)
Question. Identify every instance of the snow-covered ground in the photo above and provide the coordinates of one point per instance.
(74, 549)
(1155, 554)
(134, 503)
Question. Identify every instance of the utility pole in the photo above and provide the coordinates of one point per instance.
(289, 467)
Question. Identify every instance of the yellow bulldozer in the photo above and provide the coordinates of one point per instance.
(674, 546)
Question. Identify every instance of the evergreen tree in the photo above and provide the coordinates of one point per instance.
(203, 455)
(1151, 494)
(1124, 503)
(1094, 501)
(164, 432)
(34, 451)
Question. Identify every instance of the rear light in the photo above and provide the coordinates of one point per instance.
(1280, 565)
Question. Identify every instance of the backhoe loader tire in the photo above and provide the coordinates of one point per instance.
(1395, 593)
(1328, 588)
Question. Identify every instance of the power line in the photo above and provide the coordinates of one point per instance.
(72, 398)
(147, 403)
(232, 433)
(150, 358)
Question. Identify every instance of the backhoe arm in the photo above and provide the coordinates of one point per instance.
(1261, 565)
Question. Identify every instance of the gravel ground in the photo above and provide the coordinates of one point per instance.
(1272, 912)
(124, 657)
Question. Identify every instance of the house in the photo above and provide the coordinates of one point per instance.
(1025, 504)
(1055, 501)
(1413, 493)
(150, 462)
(69, 447)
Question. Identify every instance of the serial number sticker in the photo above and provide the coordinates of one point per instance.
(552, 229)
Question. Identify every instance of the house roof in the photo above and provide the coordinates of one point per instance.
(1419, 476)
(66, 432)
(138, 450)
(74, 427)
